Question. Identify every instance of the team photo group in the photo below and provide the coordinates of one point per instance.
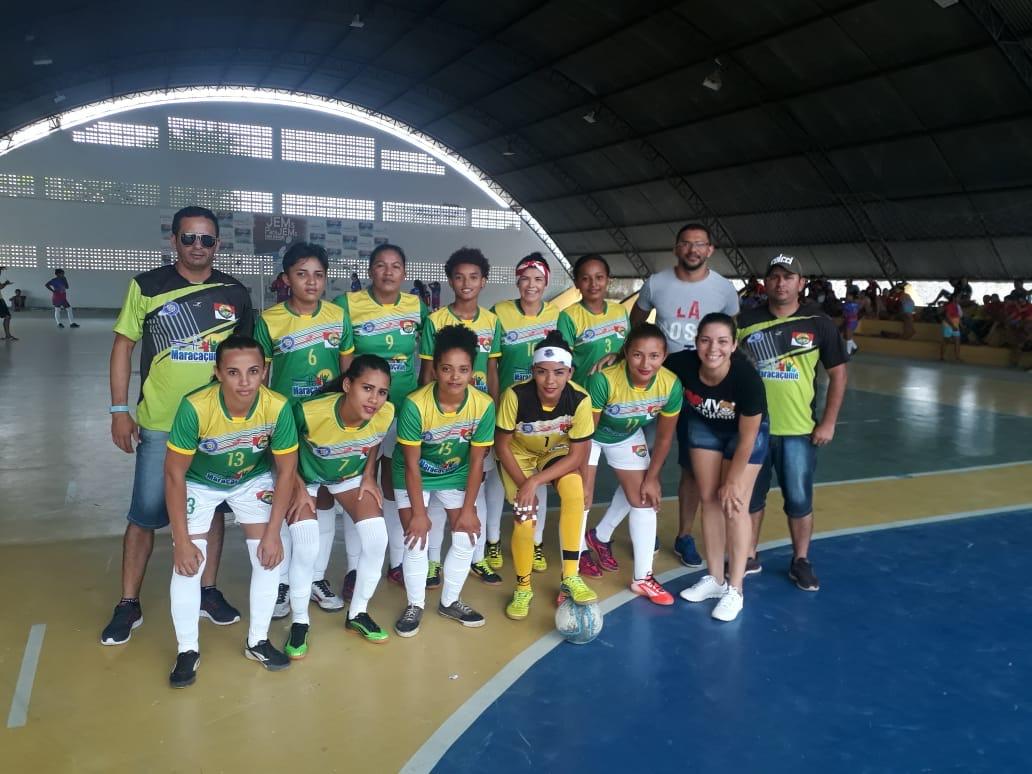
(417, 425)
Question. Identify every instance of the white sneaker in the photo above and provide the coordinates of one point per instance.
(729, 606)
(282, 608)
(707, 588)
(323, 596)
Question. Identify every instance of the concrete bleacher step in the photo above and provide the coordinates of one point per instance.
(915, 349)
(922, 331)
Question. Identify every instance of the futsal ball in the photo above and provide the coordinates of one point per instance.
(579, 624)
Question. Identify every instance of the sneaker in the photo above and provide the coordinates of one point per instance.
(185, 671)
(580, 592)
(395, 575)
(367, 628)
(602, 550)
(60, 325)
(729, 606)
(127, 616)
(706, 588)
(462, 613)
(408, 624)
(347, 591)
(684, 547)
(753, 566)
(519, 607)
(282, 608)
(540, 563)
(587, 566)
(216, 609)
(483, 571)
(74, 325)
(493, 555)
(801, 571)
(297, 643)
(649, 588)
(323, 596)
(434, 578)
(266, 655)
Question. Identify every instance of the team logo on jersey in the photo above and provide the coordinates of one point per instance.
(588, 335)
(511, 337)
(526, 428)
(225, 312)
(519, 375)
(640, 449)
(260, 443)
(484, 342)
(428, 437)
(780, 371)
(169, 309)
(802, 339)
(407, 327)
(755, 338)
(653, 410)
(480, 382)
(367, 327)
(322, 451)
(286, 344)
(398, 364)
(265, 495)
(613, 410)
(466, 433)
(331, 340)
(193, 351)
(208, 446)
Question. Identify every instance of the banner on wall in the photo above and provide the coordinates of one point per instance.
(271, 233)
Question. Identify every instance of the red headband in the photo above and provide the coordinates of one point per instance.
(541, 266)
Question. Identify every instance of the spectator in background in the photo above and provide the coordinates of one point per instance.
(1019, 292)
(356, 283)
(280, 287)
(5, 313)
(851, 319)
(1018, 331)
(753, 294)
(951, 327)
(18, 300)
(58, 287)
(960, 287)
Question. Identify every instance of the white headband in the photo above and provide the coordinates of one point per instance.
(553, 355)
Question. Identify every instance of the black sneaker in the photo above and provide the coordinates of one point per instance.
(282, 608)
(266, 655)
(801, 571)
(60, 325)
(74, 325)
(127, 616)
(297, 643)
(408, 624)
(185, 671)
(753, 566)
(347, 591)
(462, 613)
(216, 609)
(483, 571)
(367, 628)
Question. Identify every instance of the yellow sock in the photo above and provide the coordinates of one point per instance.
(523, 551)
(571, 521)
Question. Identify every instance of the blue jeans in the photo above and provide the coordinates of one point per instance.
(794, 459)
(147, 508)
(702, 436)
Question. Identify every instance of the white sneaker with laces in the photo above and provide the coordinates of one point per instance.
(730, 605)
(324, 596)
(282, 608)
(706, 588)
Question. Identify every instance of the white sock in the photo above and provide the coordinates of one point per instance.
(353, 543)
(456, 567)
(481, 544)
(373, 542)
(263, 596)
(304, 535)
(57, 319)
(615, 514)
(186, 604)
(642, 525)
(539, 528)
(327, 518)
(583, 541)
(438, 518)
(395, 532)
(494, 494)
(284, 568)
(71, 317)
(414, 567)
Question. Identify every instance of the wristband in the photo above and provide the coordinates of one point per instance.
(119, 410)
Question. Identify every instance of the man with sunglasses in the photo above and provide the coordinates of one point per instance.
(180, 313)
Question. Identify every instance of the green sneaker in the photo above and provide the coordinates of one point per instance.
(540, 565)
(493, 555)
(519, 607)
(433, 575)
(483, 571)
(297, 643)
(367, 629)
(576, 589)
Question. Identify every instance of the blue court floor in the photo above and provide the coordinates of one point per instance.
(913, 657)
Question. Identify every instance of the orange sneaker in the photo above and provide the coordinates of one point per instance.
(649, 588)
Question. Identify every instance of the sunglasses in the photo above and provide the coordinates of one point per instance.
(207, 240)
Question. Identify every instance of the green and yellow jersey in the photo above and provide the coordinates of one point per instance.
(444, 437)
(624, 408)
(228, 451)
(330, 450)
(484, 325)
(592, 336)
(180, 325)
(519, 334)
(544, 431)
(391, 331)
(304, 349)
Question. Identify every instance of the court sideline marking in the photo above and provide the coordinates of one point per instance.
(434, 748)
(26, 676)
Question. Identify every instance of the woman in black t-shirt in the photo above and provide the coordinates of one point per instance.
(728, 433)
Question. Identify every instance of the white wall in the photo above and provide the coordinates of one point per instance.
(41, 222)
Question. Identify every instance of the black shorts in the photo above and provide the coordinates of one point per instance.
(4, 310)
(684, 446)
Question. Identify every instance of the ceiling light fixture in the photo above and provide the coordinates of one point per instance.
(946, 3)
(41, 60)
(357, 22)
(509, 152)
(714, 81)
(59, 98)
(591, 117)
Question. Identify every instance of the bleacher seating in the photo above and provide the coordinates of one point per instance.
(925, 344)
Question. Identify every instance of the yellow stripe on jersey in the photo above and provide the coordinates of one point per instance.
(624, 408)
(539, 430)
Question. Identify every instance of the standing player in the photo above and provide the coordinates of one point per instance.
(58, 287)
(5, 312)
(181, 312)
(306, 341)
(218, 450)
(626, 398)
(445, 429)
(386, 322)
(682, 295)
(523, 323)
(787, 341)
(543, 436)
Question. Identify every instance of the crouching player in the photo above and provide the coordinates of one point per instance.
(218, 450)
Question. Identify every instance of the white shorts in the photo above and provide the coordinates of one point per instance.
(336, 488)
(449, 499)
(390, 440)
(630, 454)
(251, 503)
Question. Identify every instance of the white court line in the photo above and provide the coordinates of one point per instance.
(70, 492)
(434, 748)
(26, 676)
